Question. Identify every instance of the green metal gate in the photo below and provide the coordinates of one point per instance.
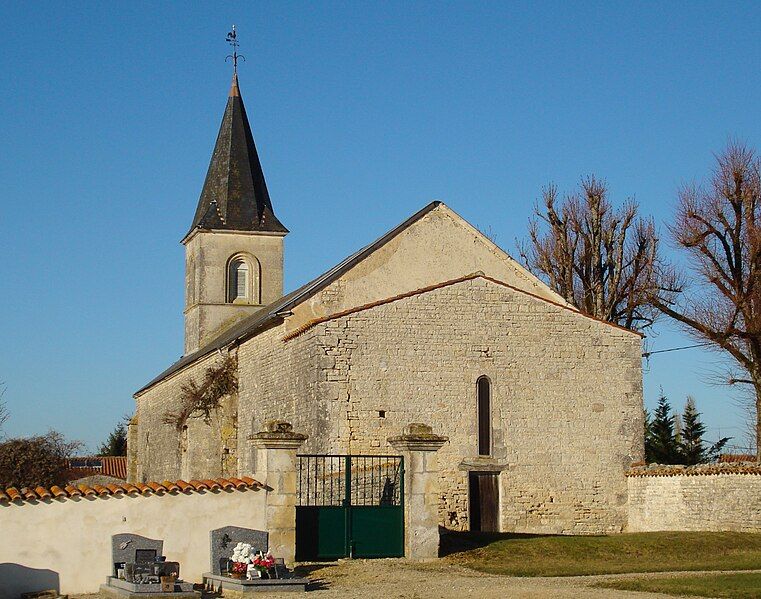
(349, 506)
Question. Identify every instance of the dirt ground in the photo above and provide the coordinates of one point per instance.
(399, 579)
(352, 579)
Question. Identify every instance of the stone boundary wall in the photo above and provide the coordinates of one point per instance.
(65, 543)
(700, 498)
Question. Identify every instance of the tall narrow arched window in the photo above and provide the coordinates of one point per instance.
(238, 280)
(484, 415)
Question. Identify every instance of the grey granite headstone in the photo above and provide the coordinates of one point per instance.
(224, 540)
(129, 548)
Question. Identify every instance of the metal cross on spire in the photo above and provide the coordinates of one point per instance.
(232, 39)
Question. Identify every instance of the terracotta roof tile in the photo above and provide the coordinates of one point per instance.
(143, 488)
(43, 492)
(72, 491)
(130, 488)
(182, 486)
(86, 491)
(729, 458)
(114, 466)
(699, 470)
(101, 490)
(58, 492)
(27, 494)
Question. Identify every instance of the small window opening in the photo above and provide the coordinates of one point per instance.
(484, 416)
(381, 413)
(239, 280)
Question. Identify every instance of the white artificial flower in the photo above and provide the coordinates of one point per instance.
(243, 553)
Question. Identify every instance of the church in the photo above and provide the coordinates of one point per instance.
(431, 323)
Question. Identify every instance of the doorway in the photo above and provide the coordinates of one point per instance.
(484, 501)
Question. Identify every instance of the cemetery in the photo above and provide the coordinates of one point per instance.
(229, 536)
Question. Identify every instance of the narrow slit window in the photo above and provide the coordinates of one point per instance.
(484, 416)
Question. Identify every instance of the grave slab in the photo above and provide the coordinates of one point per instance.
(219, 583)
(223, 540)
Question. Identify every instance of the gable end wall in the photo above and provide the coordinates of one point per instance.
(566, 397)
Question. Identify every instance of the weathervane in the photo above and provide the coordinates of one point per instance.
(232, 39)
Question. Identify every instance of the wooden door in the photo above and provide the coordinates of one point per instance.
(484, 501)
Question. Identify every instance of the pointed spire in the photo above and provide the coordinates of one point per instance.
(234, 194)
(234, 90)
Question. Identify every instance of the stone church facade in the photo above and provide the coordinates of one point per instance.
(431, 323)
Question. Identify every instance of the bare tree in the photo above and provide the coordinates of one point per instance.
(4, 415)
(604, 261)
(719, 228)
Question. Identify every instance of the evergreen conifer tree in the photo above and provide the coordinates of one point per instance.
(663, 447)
(116, 444)
(691, 447)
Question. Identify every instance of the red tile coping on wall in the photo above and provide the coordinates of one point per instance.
(728, 458)
(700, 470)
(27, 494)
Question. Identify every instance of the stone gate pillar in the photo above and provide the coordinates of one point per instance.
(276, 469)
(418, 445)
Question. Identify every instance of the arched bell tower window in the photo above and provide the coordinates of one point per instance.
(483, 391)
(243, 280)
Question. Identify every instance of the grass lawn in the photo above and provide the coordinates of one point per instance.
(738, 586)
(550, 555)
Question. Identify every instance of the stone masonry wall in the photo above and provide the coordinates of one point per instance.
(200, 451)
(727, 501)
(285, 381)
(566, 397)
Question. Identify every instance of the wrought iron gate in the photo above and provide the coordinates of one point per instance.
(349, 506)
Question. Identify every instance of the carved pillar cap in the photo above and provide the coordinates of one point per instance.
(278, 434)
(417, 437)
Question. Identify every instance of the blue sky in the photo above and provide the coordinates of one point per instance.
(363, 113)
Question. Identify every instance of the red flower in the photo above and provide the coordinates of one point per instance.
(239, 567)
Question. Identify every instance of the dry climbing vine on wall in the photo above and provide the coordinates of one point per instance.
(203, 398)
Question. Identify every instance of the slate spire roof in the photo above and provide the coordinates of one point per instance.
(234, 194)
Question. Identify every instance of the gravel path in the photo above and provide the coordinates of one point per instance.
(354, 579)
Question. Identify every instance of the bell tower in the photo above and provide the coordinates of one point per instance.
(234, 248)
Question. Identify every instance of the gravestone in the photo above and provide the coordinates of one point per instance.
(223, 541)
(129, 548)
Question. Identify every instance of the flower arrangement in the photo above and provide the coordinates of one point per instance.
(239, 568)
(245, 559)
(263, 562)
(243, 553)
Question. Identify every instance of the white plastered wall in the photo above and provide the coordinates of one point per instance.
(67, 543)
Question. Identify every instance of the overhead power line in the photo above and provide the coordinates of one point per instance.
(647, 354)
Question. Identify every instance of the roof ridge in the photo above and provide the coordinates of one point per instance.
(260, 320)
(36, 494)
